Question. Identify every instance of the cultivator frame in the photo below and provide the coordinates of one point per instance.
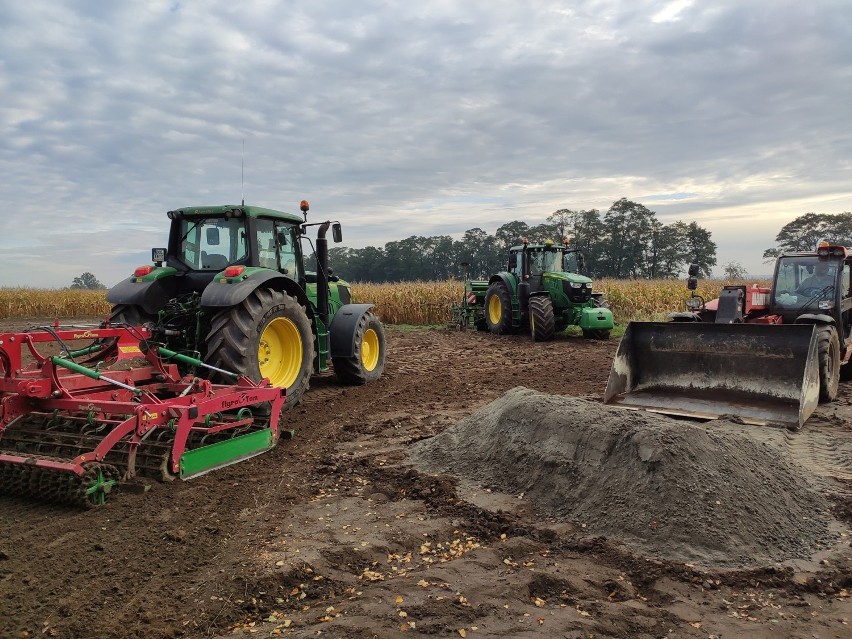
(73, 426)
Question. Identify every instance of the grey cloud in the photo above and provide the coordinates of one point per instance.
(406, 118)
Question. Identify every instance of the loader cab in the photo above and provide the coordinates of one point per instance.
(815, 284)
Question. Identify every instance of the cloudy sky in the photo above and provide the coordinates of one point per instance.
(413, 118)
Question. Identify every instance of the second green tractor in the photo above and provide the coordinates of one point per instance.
(542, 291)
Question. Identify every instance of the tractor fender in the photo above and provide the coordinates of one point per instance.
(343, 327)
(219, 294)
(151, 295)
(509, 281)
(815, 318)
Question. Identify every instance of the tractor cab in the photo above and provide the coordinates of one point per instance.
(551, 267)
(809, 283)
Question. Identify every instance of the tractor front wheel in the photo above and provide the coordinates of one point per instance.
(498, 309)
(828, 352)
(368, 362)
(267, 335)
(542, 322)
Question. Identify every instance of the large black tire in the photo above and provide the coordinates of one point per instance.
(267, 335)
(542, 322)
(498, 309)
(828, 351)
(368, 362)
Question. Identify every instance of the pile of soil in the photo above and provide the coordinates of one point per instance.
(678, 490)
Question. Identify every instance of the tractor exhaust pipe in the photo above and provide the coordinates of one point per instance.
(322, 273)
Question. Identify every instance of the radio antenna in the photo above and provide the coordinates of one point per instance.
(243, 173)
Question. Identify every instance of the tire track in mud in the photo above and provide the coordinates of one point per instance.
(825, 451)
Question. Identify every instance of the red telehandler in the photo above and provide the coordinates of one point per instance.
(762, 354)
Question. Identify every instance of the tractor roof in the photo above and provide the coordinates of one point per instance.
(539, 247)
(248, 211)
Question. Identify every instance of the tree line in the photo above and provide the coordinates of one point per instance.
(625, 241)
(808, 230)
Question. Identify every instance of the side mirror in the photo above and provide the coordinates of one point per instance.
(282, 237)
(692, 283)
(693, 270)
(336, 232)
(212, 236)
(581, 262)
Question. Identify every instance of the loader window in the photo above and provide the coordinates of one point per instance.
(802, 278)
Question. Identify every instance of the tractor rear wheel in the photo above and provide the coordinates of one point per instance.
(498, 309)
(368, 362)
(828, 352)
(267, 335)
(542, 322)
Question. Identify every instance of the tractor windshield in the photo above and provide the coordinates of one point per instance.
(801, 278)
(211, 244)
(548, 260)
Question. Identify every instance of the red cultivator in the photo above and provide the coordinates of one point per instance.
(72, 426)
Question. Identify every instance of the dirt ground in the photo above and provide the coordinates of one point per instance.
(336, 533)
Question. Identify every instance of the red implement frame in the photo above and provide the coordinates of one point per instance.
(132, 401)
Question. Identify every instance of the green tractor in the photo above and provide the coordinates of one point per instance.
(233, 289)
(541, 291)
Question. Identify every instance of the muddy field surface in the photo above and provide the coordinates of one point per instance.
(420, 506)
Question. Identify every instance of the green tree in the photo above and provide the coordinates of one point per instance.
(510, 235)
(563, 221)
(628, 228)
(87, 281)
(700, 248)
(733, 270)
(587, 234)
(808, 230)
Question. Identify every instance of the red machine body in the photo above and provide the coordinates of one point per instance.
(74, 426)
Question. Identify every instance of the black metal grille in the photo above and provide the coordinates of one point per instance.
(577, 295)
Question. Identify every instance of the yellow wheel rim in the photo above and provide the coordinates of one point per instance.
(279, 354)
(370, 350)
(495, 309)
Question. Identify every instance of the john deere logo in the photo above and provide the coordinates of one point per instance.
(85, 335)
(601, 316)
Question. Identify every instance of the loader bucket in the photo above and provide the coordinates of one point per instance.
(760, 373)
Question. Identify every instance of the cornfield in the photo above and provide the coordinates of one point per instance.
(30, 302)
(430, 302)
(419, 303)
